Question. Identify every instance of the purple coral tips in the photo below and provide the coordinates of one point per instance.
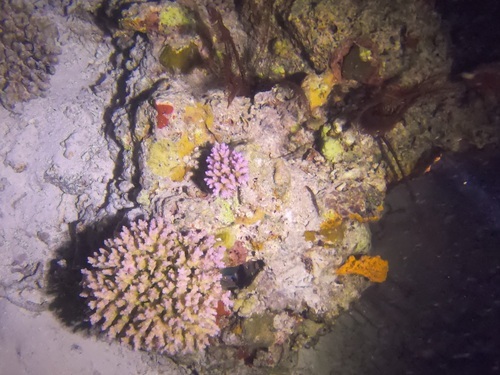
(227, 170)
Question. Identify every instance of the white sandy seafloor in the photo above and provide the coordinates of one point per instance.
(55, 159)
(57, 164)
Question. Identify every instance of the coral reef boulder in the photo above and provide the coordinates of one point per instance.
(227, 171)
(157, 287)
(28, 52)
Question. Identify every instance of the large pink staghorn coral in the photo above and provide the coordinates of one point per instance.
(227, 170)
(157, 288)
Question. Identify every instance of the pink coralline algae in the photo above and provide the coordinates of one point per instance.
(157, 288)
(227, 171)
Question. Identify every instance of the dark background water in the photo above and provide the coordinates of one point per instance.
(474, 29)
(439, 310)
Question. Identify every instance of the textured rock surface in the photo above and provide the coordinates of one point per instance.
(319, 27)
(102, 150)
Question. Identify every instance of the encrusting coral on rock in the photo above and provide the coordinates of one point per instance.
(374, 268)
(157, 287)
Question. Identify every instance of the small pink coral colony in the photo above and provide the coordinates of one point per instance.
(227, 170)
(157, 288)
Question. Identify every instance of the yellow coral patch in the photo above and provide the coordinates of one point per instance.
(310, 235)
(332, 228)
(237, 330)
(257, 245)
(165, 157)
(318, 87)
(374, 268)
(202, 117)
(367, 219)
(250, 220)
(332, 220)
(136, 24)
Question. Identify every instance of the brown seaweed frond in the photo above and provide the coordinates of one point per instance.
(236, 82)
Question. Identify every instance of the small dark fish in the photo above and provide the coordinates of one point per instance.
(314, 201)
(241, 276)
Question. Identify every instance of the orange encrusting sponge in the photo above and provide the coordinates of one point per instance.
(373, 268)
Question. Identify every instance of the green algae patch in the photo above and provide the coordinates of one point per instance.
(332, 148)
(226, 237)
(174, 16)
(258, 331)
(226, 214)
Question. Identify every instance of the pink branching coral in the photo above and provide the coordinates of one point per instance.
(227, 170)
(157, 288)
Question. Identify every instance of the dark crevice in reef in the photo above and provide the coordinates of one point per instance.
(64, 275)
(119, 101)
